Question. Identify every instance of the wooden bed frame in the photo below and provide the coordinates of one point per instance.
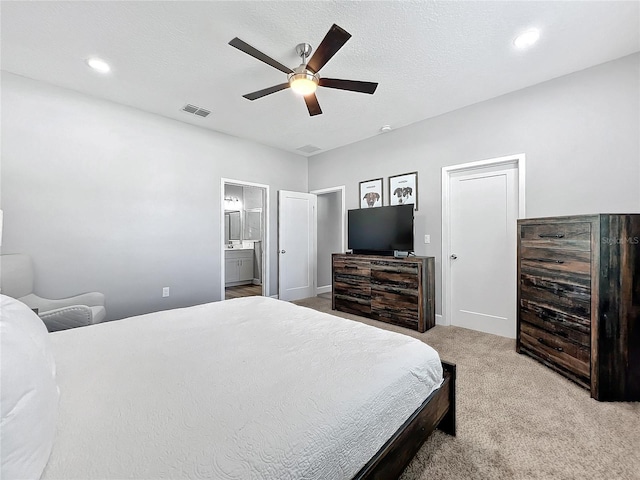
(437, 411)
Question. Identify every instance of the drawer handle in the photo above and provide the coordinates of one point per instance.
(546, 317)
(551, 235)
(547, 260)
(351, 266)
(541, 340)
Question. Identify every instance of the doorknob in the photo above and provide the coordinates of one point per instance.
(453, 256)
(283, 251)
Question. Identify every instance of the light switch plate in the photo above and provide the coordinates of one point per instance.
(427, 239)
(165, 292)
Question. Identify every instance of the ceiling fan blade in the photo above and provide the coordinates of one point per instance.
(331, 43)
(351, 85)
(266, 91)
(312, 104)
(248, 49)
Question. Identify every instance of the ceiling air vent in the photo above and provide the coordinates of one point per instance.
(308, 149)
(196, 110)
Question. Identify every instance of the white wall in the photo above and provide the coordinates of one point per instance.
(329, 233)
(109, 198)
(580, 134)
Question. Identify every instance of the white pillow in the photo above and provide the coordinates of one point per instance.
(29, 394)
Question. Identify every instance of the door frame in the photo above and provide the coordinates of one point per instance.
(265, 234)
(343, 225)
(519, 160)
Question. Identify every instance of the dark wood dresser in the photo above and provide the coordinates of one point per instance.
(393, 290)
(579, 300)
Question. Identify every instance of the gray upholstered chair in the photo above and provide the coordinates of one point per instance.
(16, 280)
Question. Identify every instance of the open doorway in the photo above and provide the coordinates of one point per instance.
(244, 231)
(331, 234)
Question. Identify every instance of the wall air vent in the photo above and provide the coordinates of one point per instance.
(308, 149)
(201, 112)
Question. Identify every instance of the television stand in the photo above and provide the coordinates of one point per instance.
(400, 291)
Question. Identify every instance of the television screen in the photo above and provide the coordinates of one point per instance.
(381, 230)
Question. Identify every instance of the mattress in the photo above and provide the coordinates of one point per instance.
(251, 388)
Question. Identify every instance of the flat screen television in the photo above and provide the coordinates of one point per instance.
(381, 230)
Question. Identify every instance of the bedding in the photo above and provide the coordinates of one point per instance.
(28, 391)
(242, 389)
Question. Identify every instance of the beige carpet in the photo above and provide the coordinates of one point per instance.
(516, 418)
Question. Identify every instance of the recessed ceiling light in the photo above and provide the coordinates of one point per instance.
(98, 65)
(528, 38)
(385, 128)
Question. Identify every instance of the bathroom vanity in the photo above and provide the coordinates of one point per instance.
(238, 266)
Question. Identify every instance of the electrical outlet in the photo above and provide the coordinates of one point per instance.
(165, 292)
(427, 239)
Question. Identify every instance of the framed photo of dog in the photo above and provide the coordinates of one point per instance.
(403, 189)
(371, 193)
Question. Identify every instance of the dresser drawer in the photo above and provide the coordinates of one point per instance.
(565, 236)
(574, 328)
(351, 285)
(555, 261)
(351, 277)
(355, 305)
(352, 266)
(395, 288)
(570, 298)
(400, 313)
(395, 299)
(559, 351)
(405, 276)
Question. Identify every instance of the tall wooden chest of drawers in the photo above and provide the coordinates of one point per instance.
(393, 290)
(579, 300)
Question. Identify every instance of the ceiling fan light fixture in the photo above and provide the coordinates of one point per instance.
(303, 83)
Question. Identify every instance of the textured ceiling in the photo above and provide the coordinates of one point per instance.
(428, 57)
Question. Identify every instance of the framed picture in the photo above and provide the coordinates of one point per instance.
(371, 193)
(403, 189)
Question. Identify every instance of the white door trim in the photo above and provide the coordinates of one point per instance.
(343, 229)
(265, 234)
(519, 160)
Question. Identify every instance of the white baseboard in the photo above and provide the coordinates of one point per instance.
(324, 289)
(439, 320)
(274, 296)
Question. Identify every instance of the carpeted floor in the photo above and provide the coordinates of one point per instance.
(516, 418)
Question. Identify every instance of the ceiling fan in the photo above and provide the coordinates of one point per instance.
(304, 79)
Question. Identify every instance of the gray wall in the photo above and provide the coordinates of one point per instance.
(580, 134)
(329, 233)
(109, 198)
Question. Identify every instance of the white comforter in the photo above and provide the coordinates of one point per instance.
(252, 388)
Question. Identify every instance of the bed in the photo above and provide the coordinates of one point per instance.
(240, 389)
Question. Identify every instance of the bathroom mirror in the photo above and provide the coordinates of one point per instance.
(232, 226)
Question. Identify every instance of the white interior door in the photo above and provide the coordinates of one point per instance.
(296, 245)
(483, 209)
